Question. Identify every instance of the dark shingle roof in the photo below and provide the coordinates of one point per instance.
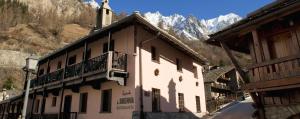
(213, 75)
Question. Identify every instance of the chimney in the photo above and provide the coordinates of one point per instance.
(104, 15)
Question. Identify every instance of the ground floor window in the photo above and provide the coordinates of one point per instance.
(198, 104)
(155, 100)
(83, 102)
(181, 102)
(37, 106)
(54, 99)
(106, 100)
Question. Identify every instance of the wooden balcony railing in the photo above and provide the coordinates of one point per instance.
(219, 86)
(281, 68)
(107, 61)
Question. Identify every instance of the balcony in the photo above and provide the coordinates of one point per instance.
(219, 86)
(278, 73)
(111, 65)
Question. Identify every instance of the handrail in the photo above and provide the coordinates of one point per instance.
(97, 64)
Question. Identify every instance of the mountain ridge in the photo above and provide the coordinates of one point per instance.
(191, 27)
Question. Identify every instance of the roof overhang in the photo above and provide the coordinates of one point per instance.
(254, 20)
(135, 18)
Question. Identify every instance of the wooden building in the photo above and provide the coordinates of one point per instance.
(221, 86)
(271, 35)
(220, 83)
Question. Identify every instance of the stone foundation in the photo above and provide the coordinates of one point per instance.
(281, 112)
(168, 115)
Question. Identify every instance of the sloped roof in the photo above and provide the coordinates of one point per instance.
(134, 18)
(275, 10)
(213, 75)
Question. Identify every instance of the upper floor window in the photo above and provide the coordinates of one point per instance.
(111, 46)
(178, 64)
(88, 53)
(195, 71)
(154, 55)
(72, 60)
(106, 101)
(41, 72)
(59, 65)
(107, 11)
(48, 69)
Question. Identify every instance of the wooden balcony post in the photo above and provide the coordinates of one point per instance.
(66, 64)
(109, 62)
(234, 62)
(83, 59)
(32, 104)
(61, 100)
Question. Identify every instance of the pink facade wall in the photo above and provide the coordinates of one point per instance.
(168, 79)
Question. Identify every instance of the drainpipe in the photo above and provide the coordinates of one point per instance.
(140, 73)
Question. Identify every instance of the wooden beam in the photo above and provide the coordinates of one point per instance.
(66, 64)
(32, 104)
(234, 62)
(257, 46)
(61, 101)
(274, 84)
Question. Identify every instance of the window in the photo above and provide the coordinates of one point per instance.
(72, 60)
(37, 106)
(48, 69)
(88, 53)
(181, 102)
(54, 99)
(83, 102)
(155, 100)
(111, 46)
(107, 11)
(59, 65)
(195, 71)
(154, 55)
(41, 72)
(178, 64)
(106, 101)
(198, 107)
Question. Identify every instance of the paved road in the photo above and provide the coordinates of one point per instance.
(241, 110)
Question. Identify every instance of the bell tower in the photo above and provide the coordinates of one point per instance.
(104, 15)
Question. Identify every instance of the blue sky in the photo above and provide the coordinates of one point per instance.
(200, 8)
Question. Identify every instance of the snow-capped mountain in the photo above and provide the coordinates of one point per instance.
(93, 3)
(191, 27)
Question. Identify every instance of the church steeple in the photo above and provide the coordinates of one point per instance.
(104, 15)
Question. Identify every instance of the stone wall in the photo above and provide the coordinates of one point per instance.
(281, 112)
(12, 59)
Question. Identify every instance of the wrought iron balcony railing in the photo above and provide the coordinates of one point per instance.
(73, 70)
(108, 61)
(96, 64)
